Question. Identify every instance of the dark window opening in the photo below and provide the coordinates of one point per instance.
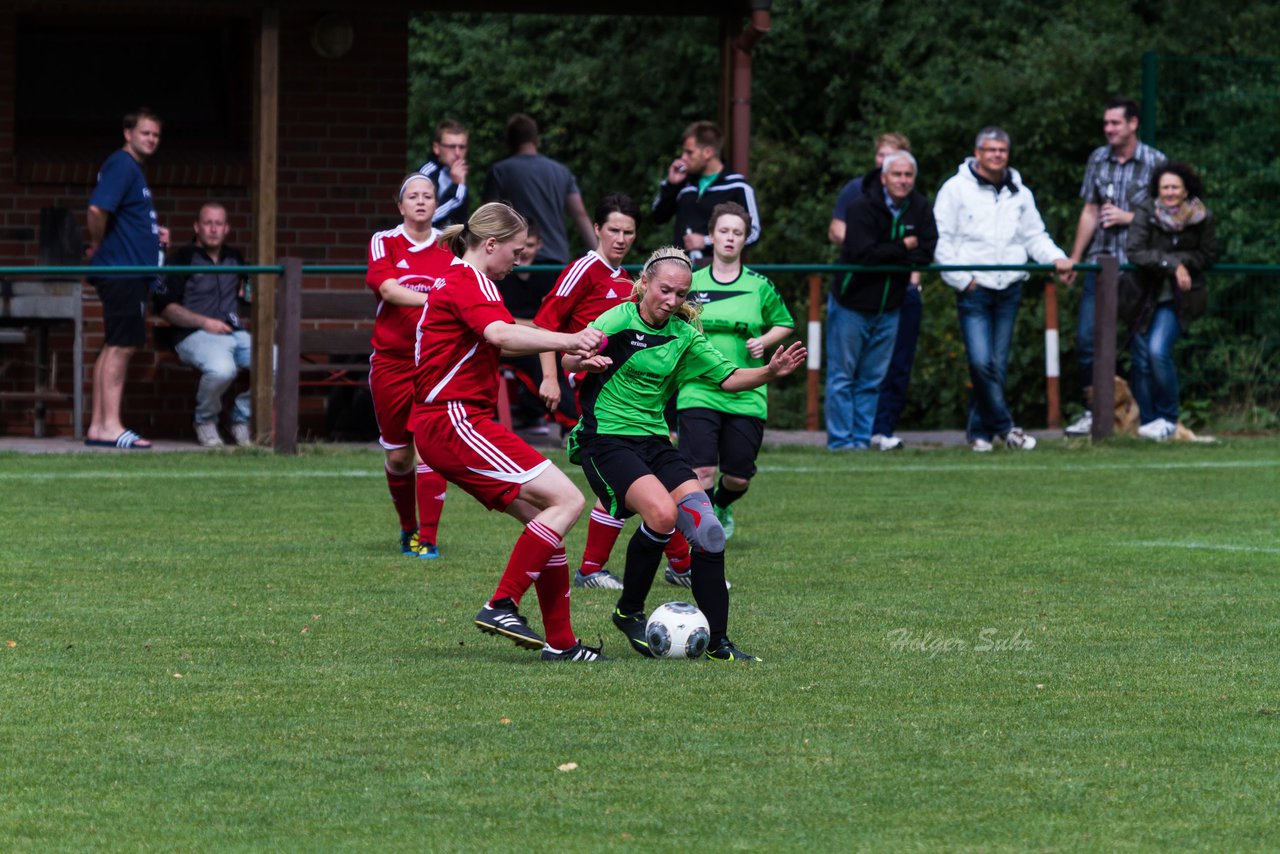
(81, 75)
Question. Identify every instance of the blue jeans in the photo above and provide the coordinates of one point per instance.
(1154, 378)
(1084, 331)
(217, 358)
(893, 391)
(859, 347)
(986, 322)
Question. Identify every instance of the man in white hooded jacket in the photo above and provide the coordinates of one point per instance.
(986, 215)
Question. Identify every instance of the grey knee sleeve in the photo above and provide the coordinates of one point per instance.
(696, 519)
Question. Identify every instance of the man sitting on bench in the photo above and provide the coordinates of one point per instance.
(204, 310)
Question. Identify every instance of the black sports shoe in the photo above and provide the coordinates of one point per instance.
(500, 617)
(578, 652)
(632, 625)
(726, 651)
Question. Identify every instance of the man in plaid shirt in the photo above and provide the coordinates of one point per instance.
(1115, 181)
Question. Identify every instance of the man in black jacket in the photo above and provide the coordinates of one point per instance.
(696, 182)
(204, 308)
(891, 226)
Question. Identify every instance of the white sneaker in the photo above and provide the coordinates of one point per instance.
(240, 434)
(207, 435)
(1158, 430)
(1018, 440)
(887, 443)
(1082, 426)
(601, 579)
(981, 446)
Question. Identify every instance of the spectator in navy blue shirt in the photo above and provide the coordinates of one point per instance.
(123, 231)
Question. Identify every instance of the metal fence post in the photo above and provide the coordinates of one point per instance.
(815, 351)
(1103, 404)
(288, 333)
(1051, 351)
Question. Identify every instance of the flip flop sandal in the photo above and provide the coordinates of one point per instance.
(128, 441)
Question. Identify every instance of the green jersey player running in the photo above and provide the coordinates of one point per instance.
(743, 316)
(654, 346)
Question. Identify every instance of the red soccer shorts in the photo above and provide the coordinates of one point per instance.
(391, 384)
(470, 449)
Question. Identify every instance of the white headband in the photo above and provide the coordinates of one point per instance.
(416, 176)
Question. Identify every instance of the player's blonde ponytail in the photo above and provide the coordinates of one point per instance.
(494, 220)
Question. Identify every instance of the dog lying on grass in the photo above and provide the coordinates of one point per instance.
(1127, 418)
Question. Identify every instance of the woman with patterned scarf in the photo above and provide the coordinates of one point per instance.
(1172, 243)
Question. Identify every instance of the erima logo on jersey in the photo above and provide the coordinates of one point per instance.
(638, 340)
(402, 264)
(699, 297)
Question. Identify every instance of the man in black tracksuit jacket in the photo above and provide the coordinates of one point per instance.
(889, 224)
(696, 182)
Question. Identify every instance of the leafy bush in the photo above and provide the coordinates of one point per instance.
(612, 94)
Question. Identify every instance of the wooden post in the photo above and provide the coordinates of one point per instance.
(1103, 405)
(815, 351)
(266, 103)
(1053, 419)
(724, 104)
(288, 335)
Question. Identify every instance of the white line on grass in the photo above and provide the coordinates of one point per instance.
(1072, 467)
(1214, 547)
(185, 474)
(106, 474)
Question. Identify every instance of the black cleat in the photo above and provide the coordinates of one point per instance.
(501, 618)
(726, 651)
(578, 652)
(632, 625)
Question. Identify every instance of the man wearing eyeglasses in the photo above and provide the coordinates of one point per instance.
(986, 215)
(447, 169)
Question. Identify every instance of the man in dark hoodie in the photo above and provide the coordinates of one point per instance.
(892, 224)
(886, 144)
(893, 391)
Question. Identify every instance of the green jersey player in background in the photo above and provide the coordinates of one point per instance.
(742, 316)
(654, 346)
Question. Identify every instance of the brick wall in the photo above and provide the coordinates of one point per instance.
(341, 157)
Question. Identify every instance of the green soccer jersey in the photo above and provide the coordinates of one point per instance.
(648, 365)
(732, 312)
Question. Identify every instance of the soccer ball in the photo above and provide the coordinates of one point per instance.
(677, 630)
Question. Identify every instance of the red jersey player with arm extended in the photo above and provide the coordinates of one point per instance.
(461, 332)
(405, 263)
(585, 290)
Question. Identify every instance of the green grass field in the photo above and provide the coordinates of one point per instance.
(1073, 649)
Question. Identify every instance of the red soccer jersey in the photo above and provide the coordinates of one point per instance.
(416, 266)
(585, 290)
(454, 361)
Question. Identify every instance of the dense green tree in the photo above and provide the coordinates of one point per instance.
(613, 92)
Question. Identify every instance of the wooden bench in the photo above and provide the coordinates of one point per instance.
(37, 306)
(322, 338)
(322, 350)
(308, 354)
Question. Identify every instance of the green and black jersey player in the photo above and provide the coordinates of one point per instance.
(742, 316)
(622, 444)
